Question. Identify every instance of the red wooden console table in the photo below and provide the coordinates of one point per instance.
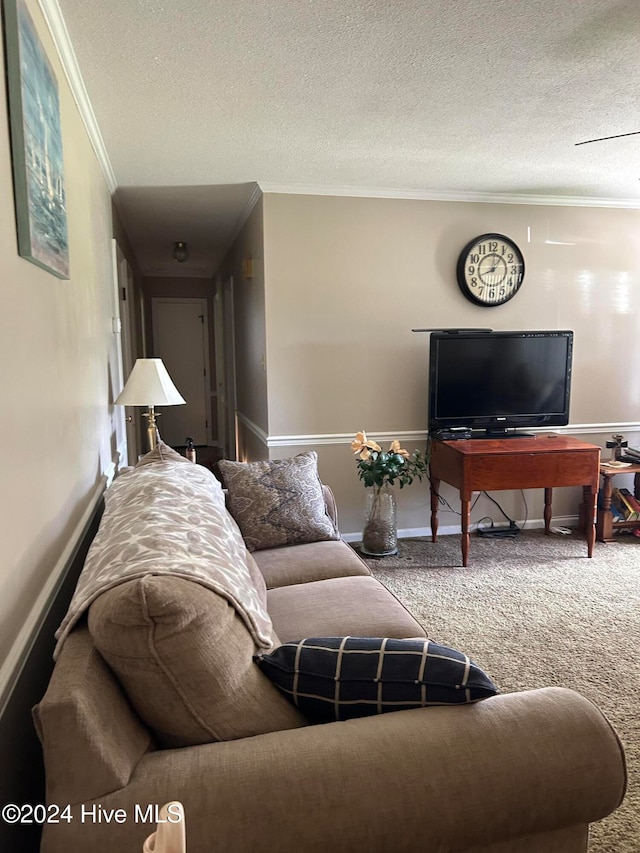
(541, 462)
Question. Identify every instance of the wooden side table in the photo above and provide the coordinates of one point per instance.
(543, 462)
(605, 525)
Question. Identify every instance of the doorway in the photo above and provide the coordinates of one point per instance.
(226, 396)
(181, 339)
(125, 324)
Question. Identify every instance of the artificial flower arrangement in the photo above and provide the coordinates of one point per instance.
(380, 470)
(377, 467)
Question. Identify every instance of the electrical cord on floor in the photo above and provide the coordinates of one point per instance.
(493, 500)
(526, 509)
(493, 532)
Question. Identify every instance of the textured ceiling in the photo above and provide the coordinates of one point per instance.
(457, 96)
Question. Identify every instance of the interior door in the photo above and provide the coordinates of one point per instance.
(181, 340)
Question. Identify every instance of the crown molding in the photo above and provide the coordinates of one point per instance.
(244, 214)
(452, 195)
(62, 42)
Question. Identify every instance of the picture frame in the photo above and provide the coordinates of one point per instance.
(36, 144)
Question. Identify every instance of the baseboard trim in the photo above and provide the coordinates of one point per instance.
(113, 467)
(452, 529)
(14, 663)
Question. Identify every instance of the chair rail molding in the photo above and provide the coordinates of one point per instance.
(421, 434)
(260, 434)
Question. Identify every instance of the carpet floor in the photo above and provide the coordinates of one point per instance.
(534, 611)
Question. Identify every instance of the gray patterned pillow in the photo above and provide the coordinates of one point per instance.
(278, 502)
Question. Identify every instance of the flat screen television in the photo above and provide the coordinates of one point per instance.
(499, 381)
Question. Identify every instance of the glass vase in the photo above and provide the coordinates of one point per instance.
(380, 531)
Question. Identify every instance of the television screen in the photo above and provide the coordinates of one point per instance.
(499, 380)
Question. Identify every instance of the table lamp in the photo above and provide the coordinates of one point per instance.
(150, 385)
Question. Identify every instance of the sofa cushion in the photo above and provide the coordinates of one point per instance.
(185, 660)
(279, 502)
(314, 561)
(340, 678)
(358, 606)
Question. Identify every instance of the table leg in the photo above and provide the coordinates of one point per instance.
(435, 491)
(590, 509)
(548, 493)
(605, 519)
(465, 513)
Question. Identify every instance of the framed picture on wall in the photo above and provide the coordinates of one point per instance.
(36, 144)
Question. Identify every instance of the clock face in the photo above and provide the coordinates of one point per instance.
(490, 270)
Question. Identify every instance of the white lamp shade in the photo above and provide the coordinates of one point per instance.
(149, 384)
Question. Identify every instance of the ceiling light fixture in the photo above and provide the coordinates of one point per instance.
(180, 253)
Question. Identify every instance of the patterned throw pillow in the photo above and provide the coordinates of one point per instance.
(278, 502)
(340, 678)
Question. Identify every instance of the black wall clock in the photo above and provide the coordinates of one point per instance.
(490, 270)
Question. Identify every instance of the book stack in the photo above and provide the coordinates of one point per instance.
(633, 454)
(624, 506)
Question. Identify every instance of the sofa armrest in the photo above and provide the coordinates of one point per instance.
(91, 737)
(443, 778)
(330, 504)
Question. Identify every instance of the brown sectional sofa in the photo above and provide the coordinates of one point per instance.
(181, 712)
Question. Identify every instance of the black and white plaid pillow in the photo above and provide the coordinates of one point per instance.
(339, 678)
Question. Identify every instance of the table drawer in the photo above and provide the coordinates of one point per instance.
(532, 471)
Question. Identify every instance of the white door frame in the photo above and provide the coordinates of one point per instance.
(206, 355)
(226, 367)
(218, 343)
(124, 328)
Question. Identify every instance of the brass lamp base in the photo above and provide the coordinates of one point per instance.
(153, 436)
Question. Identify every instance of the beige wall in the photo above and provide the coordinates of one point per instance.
(348, 278)
(57, 372)
(249, 327)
